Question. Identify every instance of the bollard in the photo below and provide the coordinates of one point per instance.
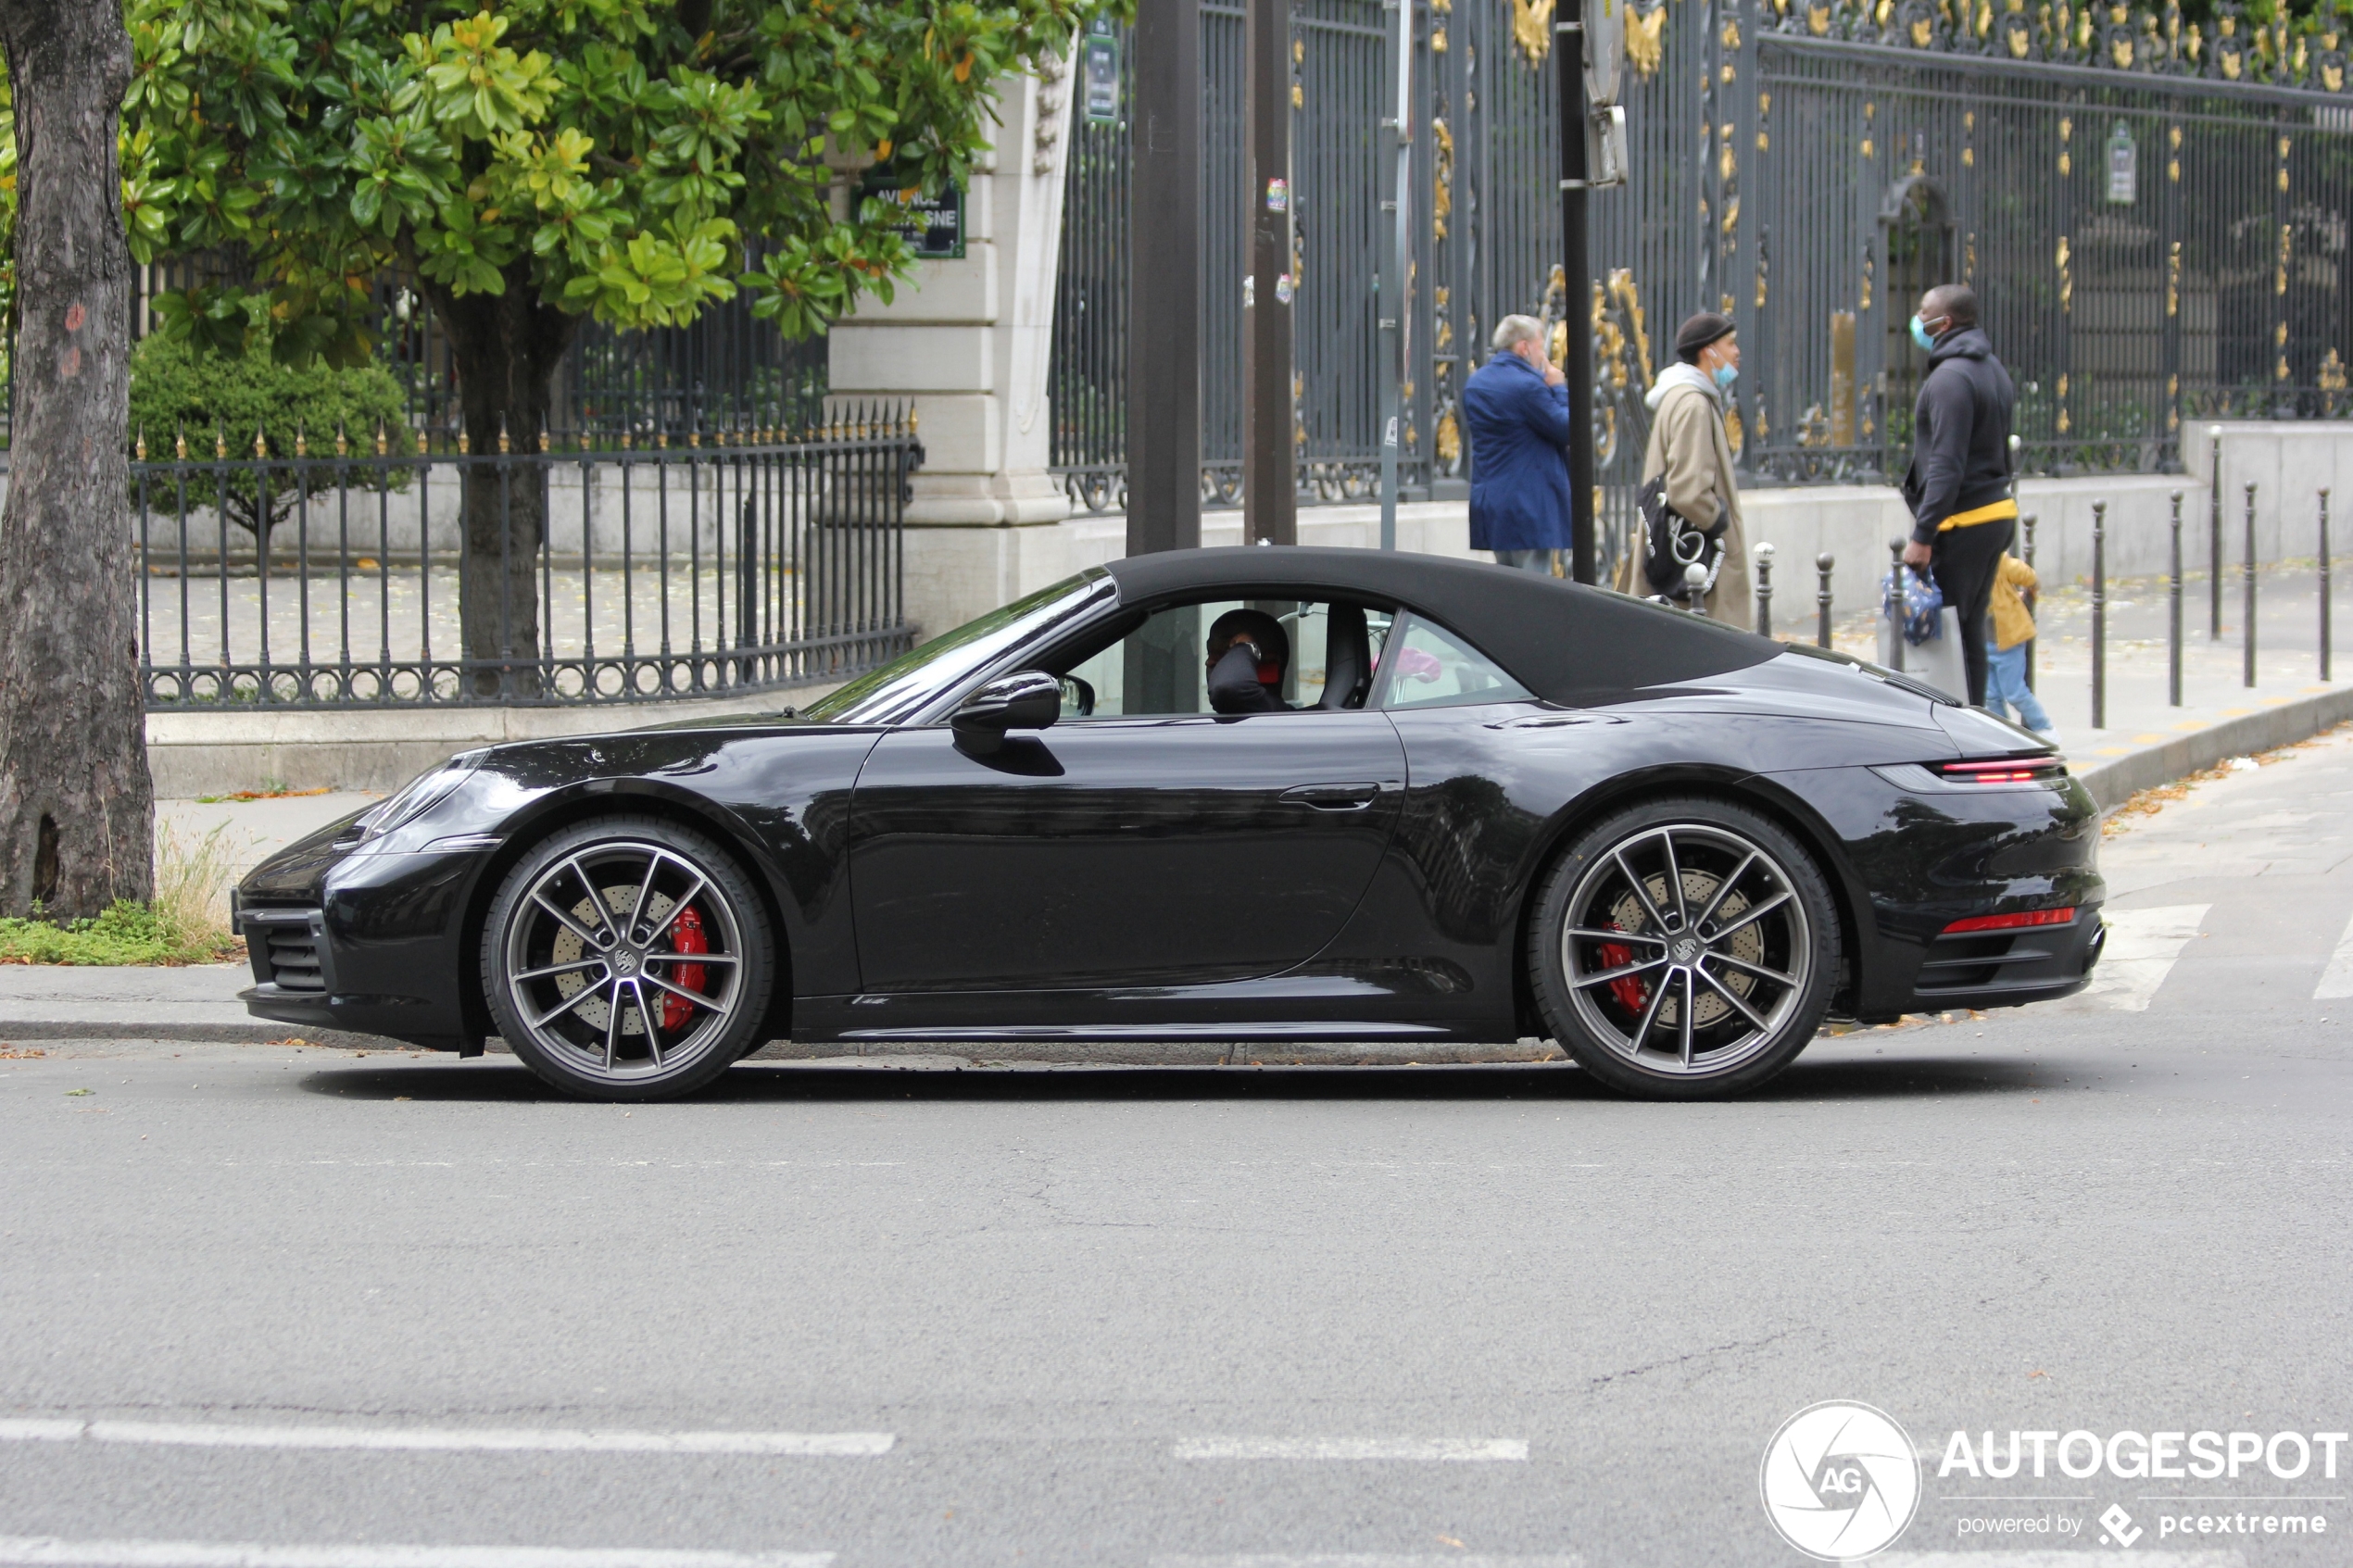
(2099, 615)
(1764, 590)
(2214, 539)
(1894, 612)
(2324, 583)
(2247, 570)
(2033, 598)
(1695, 584)
(2173, 628)
(1822, 565)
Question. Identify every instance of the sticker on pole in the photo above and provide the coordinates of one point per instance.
(1841, 1481)
(1604, 51)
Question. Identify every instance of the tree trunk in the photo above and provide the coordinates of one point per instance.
(77, 808)
(506, 347)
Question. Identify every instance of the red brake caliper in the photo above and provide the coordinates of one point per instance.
(686, 936)
(1630, 990)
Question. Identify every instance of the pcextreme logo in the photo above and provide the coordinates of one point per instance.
(1840, 1481)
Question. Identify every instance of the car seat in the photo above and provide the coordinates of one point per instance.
(1347, 658)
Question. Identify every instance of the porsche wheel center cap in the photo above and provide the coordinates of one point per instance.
(1685, 949)
(624, 961)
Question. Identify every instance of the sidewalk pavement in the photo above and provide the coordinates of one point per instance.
(2145, 741)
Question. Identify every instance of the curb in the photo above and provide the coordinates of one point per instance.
(2113, 782)
(18, 1031)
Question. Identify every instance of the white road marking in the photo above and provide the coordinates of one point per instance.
(2337, 979)
(2142, 945)
(1427, 1449)
(223, 1435)
(47, 1549)
(1365, 1559)
(2059, 1559)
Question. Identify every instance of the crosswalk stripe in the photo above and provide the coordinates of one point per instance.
(1429, 1449)
(2058, 1558)
(229, 1435)
(2142, 945)
(1364, 1560)
(49, 1551)
(2337, 979)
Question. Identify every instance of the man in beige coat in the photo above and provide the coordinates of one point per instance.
(1688, 444)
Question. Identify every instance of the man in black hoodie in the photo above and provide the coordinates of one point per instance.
(1958, 487)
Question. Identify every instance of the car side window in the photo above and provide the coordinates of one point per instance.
(1429, 667)
(1162, 666)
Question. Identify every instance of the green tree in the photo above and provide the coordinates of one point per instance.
(180, 387)
(535, 162)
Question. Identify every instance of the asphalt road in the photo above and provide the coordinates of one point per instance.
(276, 1308)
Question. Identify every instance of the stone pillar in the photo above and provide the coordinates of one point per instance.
(966, 342)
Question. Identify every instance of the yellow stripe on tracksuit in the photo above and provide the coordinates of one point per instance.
(1994, 513)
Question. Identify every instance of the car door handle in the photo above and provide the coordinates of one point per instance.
(1333, 797)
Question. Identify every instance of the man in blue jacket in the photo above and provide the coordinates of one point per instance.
(1516, 406)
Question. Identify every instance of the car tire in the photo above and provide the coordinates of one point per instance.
(628, 959)
(1685, 948)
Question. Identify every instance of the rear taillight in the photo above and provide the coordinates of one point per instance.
(2003, 771)
(2018, 921)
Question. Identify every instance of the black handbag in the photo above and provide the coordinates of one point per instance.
(1671, 543)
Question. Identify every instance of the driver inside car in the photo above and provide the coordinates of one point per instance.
(1247, 651)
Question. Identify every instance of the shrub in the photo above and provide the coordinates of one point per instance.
(184, 388)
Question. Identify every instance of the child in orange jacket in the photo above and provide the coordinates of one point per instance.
(2013, 631)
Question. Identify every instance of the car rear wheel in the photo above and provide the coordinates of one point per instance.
(627, 959)
(1685, 949)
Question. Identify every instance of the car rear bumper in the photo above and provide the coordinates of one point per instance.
(2003, 969)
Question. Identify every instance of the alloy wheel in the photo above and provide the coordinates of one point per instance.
(623, 960)
(1686, 949)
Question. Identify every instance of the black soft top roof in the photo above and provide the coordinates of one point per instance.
(1561, 640)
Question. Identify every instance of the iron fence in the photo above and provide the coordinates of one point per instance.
(1806, 169)
(726, 370)
(724, 563)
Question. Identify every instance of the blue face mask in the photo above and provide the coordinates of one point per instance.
(1726, 375)
(1920, 334)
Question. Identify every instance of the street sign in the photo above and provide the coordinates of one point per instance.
(932, 225)
(2123, 186)
(1099, 77)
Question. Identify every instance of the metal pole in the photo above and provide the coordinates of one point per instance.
(1696, 583)
(1568, 53)
(2247, 572)
(1822, 565)
(1391, 288)
(1270, 470)
(2174, 626)
(2324, 584)
(1765, 587)
(2214, 540)
(1892, 611)
(2034, 598)
(2099, 615)
(1163, 280)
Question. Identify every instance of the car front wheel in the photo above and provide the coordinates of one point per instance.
(627, 959)
(1685, 949)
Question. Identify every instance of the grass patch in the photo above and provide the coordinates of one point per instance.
(187, 921)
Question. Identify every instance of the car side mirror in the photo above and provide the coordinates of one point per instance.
(1030, 700)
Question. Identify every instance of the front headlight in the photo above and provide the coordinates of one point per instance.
(420, 794)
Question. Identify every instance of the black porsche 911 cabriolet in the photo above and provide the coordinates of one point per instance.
(1245, 794)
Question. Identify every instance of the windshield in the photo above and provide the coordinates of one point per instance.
(902, 689)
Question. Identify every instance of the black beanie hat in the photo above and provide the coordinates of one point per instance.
(1698, 333)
